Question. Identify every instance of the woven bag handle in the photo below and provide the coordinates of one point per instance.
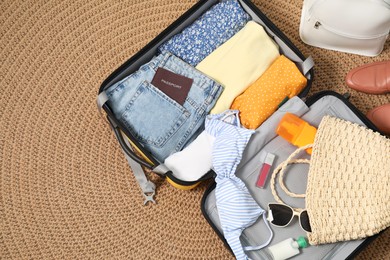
(282, 169)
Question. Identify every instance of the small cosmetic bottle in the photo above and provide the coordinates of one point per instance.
(265, 169)
(287, 248)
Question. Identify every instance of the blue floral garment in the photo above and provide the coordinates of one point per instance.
(208, 32)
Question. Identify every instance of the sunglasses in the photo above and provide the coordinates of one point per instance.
(281, 215)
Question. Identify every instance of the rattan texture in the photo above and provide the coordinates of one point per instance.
(66, 191)
(348, 188)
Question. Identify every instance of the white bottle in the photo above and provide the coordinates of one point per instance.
(287, 248)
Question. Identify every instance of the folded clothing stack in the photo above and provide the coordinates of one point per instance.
(239, 62)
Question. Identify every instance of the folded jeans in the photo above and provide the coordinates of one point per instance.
(158, 122)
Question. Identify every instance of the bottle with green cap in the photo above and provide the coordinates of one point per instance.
(287, 248)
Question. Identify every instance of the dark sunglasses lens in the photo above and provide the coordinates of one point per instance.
(305, 221)
(281, 214)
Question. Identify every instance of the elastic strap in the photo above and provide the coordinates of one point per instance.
(161, 169)
(306, 65)
(148, 188)
(101, 100)
(282, 168)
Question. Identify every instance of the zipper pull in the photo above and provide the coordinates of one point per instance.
(317, 24)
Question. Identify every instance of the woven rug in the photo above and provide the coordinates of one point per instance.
(66, 189)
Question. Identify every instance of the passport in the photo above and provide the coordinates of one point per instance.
(173, 85)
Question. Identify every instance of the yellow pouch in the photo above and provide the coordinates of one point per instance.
(260, 100)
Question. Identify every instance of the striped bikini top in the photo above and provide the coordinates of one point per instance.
(237, 209)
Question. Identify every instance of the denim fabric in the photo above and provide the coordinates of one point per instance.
(158, 122)
(212, 29)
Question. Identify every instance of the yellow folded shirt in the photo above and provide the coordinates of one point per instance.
(260, 100)
(239, 62)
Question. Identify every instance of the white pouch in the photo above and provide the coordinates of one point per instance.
(353, 26)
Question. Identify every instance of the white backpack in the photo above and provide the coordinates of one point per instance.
(354, 26)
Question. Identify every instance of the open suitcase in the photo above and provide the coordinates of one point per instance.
(314, 109)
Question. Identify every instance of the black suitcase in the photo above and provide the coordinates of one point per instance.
(146, 159)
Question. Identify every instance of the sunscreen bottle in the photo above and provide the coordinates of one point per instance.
(296, 131)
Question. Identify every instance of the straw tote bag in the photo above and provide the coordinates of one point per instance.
(348, 188)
